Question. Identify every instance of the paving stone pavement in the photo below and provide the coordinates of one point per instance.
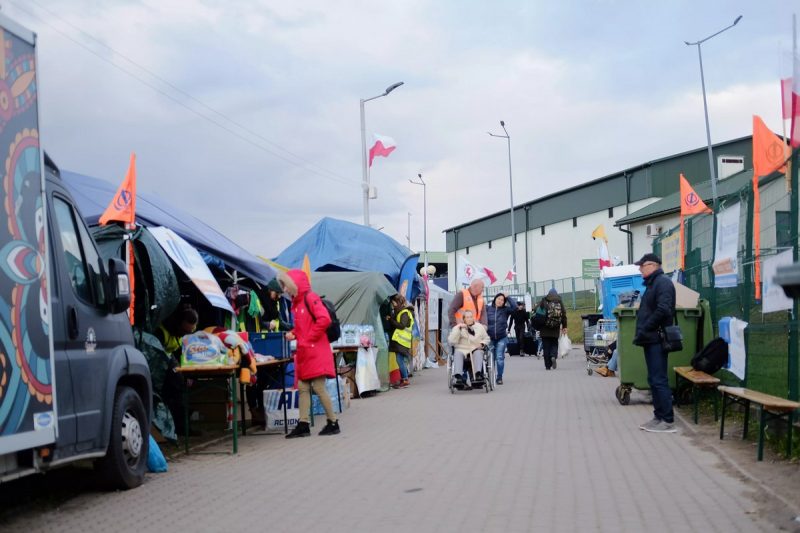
(547, 451)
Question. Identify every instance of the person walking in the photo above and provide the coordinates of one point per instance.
(313, 360)
(468, 299)
(551, 320)
(656, 311)
(519, 320)
(498, 315)
(402, 324)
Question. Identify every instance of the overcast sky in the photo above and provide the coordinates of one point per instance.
(246, 112)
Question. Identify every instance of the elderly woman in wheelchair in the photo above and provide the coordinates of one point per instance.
(468, 339)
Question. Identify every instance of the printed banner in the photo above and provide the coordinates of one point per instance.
(736, 349)
(27, 410)
(190, 262)
(671, 253)
(774, 299)
(726, 268)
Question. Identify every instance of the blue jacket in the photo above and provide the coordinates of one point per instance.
(497, 318)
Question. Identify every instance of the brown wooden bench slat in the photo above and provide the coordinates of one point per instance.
(769, 402)
(696, 376)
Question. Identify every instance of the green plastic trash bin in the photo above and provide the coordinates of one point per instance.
(632, 366)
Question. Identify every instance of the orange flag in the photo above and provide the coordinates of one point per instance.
(691, 204)
(123, 206)
(769, 155)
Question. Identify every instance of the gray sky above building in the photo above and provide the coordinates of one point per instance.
(246, 113)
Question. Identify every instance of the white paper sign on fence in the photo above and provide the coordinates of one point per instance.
(774, 299)
(736, 348)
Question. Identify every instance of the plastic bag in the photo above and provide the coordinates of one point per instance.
(366, 370)
(564, 345)
(155, 459)
(203, 348)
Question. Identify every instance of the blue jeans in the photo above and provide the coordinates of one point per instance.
(656, 360)
(613, 363)
(499, 355)
(401, 362)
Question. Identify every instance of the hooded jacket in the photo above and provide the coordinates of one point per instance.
(552, 299)
(314, 357)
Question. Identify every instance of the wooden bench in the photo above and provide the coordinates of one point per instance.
(769, 407)
(699, 380)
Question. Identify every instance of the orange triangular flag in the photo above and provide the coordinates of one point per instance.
(691, 203)
(123, 206)
(769, 152)
(307, 267)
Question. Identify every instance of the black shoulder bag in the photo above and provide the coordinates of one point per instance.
(671, 336)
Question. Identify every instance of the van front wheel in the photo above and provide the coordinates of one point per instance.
(124, 465)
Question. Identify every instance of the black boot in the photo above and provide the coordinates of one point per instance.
(301, 430)
(331, 428)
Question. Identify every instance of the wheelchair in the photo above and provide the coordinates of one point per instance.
(487, 383)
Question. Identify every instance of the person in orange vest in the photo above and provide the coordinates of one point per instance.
(472, 299)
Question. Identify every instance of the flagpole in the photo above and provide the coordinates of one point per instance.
(364, 172)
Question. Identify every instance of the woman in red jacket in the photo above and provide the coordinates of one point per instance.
(313, 360)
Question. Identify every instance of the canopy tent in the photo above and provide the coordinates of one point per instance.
(358, 297)
(337, 245)
(93, 196)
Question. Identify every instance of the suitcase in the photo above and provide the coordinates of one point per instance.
(513, 346)
(528, 343)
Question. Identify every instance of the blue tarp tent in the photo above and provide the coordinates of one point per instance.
(336, 245)
(93, 196)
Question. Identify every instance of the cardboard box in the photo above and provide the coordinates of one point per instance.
(685, 297)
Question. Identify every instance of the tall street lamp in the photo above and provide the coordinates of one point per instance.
(364, 173)
(507, 137)
(424, 217)
(712, 173)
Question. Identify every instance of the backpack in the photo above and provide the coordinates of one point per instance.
(553, 318)
(712, 357)
(539, 318)
(334, 330)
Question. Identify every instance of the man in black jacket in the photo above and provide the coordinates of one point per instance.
(518, 320)
(656, 312)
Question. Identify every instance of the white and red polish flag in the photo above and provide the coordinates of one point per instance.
(383, 147)
(794, 132)
(510, 275)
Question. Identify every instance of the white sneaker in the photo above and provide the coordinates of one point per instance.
(650, 423)
(662, 427)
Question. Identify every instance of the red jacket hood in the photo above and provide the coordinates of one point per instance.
(300, 280)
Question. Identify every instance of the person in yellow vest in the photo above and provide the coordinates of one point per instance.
(182, 322)
(402, 322)
(472, 299)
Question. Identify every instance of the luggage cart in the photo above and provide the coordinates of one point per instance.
(602, 335)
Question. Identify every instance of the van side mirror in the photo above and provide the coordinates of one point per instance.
(119, 286)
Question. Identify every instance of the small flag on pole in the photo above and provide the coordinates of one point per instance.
(383, 147)
(123, 206)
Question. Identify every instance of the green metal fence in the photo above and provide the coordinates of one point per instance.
(770, 338)
(576, 293)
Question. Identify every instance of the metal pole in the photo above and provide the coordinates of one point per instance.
(425, 221)
(711, 172)
(364, 174)
(511, 195)
(408, 235)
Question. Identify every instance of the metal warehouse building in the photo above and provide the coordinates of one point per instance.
(553, 233)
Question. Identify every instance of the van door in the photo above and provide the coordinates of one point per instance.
(90, 336)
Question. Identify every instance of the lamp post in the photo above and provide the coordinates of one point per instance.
(712, 173)
(507, 137)
(364, 173)
(425, 251)
(424, 217)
